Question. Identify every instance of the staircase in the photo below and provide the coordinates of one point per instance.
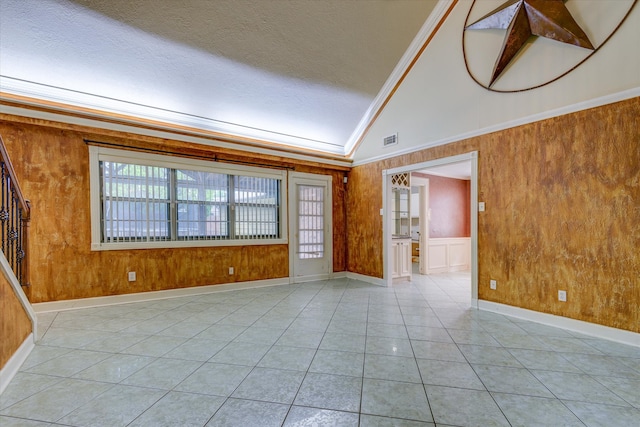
(17, 317)
(15, 214)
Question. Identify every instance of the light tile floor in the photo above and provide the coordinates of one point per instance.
(330, 353)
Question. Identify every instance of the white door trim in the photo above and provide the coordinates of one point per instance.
(386, 225)
(423, 219)
(294, 179)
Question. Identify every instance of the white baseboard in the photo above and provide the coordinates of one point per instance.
(10, 369)
(367, 279)
(6, 269)
(44, 307)
(592, 329)
(310, 278)
(316, 277)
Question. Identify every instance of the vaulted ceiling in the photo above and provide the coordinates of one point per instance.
(301, 74)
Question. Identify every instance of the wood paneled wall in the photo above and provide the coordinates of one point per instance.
(15, 325)
(562, 213)
(52, 164)
(562, 197)
(364, 222)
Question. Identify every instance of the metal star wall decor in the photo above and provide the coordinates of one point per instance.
(524, 19)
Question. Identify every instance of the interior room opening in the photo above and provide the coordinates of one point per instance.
(433, 222)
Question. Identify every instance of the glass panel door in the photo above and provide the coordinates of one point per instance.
(310, 221)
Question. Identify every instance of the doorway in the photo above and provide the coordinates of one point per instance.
(469, 160)
(310, 227)
(420, 217)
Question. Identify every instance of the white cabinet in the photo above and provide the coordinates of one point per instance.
(400, 212)
(401, 253)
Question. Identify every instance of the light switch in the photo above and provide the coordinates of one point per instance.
(480, 206)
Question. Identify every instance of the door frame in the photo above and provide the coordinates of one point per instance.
(472, 157)
(423, 220)
(295, 178)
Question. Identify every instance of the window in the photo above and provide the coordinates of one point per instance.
(143, 201)
(203, 205)
(310, 221)
(135, 202)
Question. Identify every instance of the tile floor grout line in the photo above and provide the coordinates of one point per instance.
(473, 332)
(314, 356)
(364, 357)
(305, 372)
(226, 398)
(415, 358)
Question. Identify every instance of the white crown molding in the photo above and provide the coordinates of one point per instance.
(104, 107)
(167, 134)
(585, 105)
(592, 329)
(401, 67)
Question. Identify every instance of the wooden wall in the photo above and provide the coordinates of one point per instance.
(562, 212)
(15, 325)
(52, 164)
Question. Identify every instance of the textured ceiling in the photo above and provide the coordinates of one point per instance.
(351, 44)
(296, 72)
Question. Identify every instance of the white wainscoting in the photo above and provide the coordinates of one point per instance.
(448, 254)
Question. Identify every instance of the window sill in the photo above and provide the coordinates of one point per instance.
(122, 246)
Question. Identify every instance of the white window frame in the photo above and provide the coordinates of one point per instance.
(98, 154)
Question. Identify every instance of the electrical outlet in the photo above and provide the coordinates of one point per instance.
(493, 284)
(132, 276)
(231, 271)
(562, 296)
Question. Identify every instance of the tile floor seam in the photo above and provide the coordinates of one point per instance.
(306, 373)
(476, 374)
(422, 302)
(585, 401)
(304, 376)
(245, 377)
(577, 415)
(415, 359)
(530, 373)
(150, 406)
(94, 398)
(36, 392)
(614, 392)
(364, 360)
(256, 366)
(563, 402)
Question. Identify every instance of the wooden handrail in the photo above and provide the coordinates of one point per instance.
(24, 203)
(15, 215)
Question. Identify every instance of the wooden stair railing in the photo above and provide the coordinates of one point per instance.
(15, 214)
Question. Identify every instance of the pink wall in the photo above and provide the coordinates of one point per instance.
(449, 201)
